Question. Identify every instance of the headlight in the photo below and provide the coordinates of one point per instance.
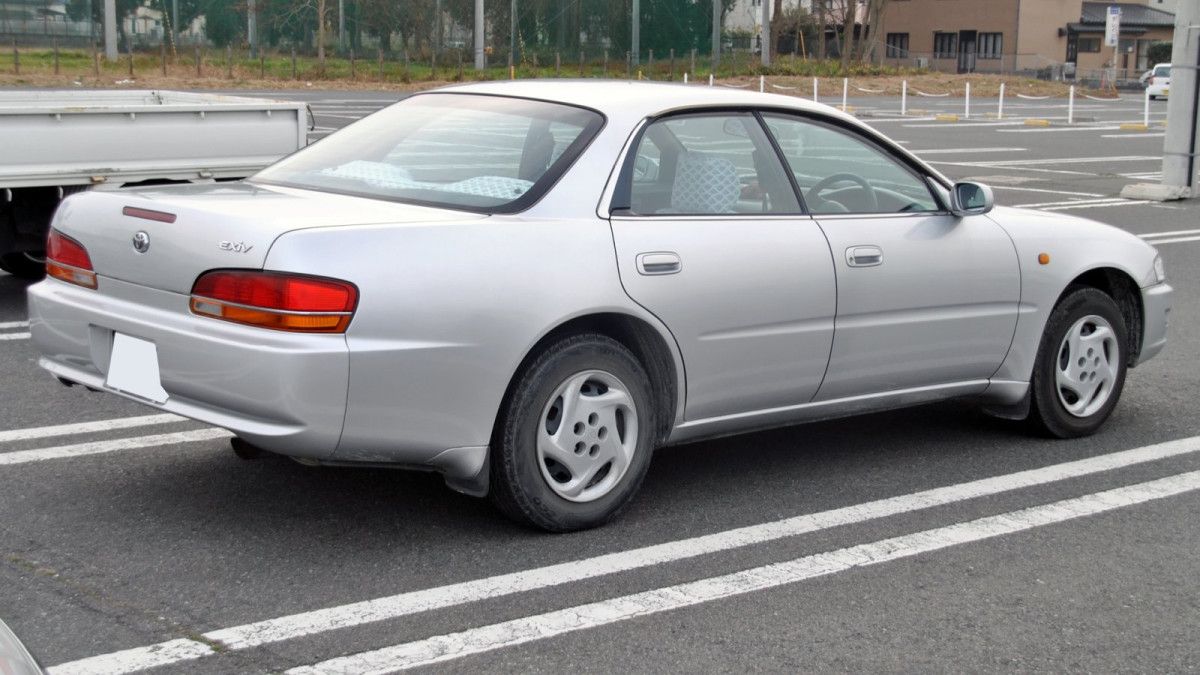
(1159, 272)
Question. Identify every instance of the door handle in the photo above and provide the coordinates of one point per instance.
(658, 263)
(864, 256)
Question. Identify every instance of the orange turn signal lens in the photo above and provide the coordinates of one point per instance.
(1044, 258)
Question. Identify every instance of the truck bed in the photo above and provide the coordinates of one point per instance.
(112, 137)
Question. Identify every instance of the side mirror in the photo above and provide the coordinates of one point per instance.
(971, 199)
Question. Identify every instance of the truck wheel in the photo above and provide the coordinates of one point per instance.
(20, 265)
(575, 438)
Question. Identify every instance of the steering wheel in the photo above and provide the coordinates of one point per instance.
(814, 193)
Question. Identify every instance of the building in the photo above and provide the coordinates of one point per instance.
(1062, 37)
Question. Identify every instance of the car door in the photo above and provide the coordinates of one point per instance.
(709, 237)
(924, 298)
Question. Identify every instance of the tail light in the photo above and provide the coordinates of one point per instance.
(68, 260)
(275, 300)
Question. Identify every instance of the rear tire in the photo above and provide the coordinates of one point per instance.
(20, 265)
(575, 438)
(1080, 366)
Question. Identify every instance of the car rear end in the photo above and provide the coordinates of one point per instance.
(162, 298)
(1159, 83)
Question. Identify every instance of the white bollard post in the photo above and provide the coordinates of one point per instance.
(1000, 110)
(762, 83)
(1146, 109)
(967, 111)
(845, 91)
(1071, 105)
(814, 90)
(903, 98)
(685, 78)
(710, 79)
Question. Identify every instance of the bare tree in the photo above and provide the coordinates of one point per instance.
(820, 29)
(773, 33)
(871, 20)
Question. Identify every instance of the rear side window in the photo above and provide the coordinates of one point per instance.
(708, 164)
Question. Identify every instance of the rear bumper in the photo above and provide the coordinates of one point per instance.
(1156, 305)
(285, 392)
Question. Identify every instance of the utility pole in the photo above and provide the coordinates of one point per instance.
(174, 24)
(716, 49)
(637, 30)
(110, 30)
(1180, 145)
(512, 47)
(251, 27)
(765, 33)
(480, 62)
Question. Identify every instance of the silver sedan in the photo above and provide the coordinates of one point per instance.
(530, 286)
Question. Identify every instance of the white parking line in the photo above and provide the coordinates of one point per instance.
(950, 151)
(86, 427)
(99, 447)
(13, 324)
(1054, 192)
(15, 336)
(1057, 130)
(1172, 233)
(1106, 200)
(1179, 240)
(1122, 202)
(443, 648)
(415, 602)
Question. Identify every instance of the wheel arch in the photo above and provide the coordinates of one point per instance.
(1124, 291)
(648, 345)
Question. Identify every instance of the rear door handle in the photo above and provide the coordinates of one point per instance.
(658, 263)
(864, 256)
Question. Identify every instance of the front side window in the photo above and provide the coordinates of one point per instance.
(840, 172)
(708, 164)
(487, 154)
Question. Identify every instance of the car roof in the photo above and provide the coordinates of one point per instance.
(625, 98)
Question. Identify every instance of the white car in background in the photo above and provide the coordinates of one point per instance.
(1159, 82)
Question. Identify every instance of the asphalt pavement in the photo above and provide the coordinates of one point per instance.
(931, 539)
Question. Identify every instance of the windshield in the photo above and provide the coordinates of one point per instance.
(488, 154)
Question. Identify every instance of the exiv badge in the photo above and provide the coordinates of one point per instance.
(236, 247)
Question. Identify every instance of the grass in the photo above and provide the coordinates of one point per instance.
(222, 69)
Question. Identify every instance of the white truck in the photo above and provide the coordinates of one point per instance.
(53, 143)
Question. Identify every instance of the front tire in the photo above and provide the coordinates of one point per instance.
(575, 438)
(1080, 367)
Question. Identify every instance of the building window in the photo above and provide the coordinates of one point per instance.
(897, 45)
(990, 45)
(1089, 44)
(945, 45)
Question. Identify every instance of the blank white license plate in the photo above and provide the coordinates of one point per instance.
(133, 368)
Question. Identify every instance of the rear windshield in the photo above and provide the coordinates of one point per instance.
(1162, 71)
(486, 154)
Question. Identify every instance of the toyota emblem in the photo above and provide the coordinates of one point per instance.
(141, 242)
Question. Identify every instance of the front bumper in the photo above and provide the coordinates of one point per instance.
(1156, 310)
(285, 392)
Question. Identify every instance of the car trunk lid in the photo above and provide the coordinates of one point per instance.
(165, 237)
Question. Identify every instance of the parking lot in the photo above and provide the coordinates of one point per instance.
(925, 539)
